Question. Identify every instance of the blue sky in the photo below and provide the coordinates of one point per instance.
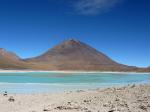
(118, 28)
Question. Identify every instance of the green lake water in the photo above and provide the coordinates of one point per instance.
(39, 82)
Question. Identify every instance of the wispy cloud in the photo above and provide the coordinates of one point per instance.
(93, 7)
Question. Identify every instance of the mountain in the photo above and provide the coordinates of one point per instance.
(9, 55)
(75, 55)
(147, 69)
(68, 55)
(9, 60)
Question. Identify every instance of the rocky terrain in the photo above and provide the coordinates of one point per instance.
(132, 98)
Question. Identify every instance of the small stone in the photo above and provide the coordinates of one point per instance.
(132, 86)
(11, 99)
(45, 110)
(117, 99)
(143, 107)
(5, 93)
(69, 103)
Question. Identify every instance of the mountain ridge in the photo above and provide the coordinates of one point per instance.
(9, 60)
(69, 55)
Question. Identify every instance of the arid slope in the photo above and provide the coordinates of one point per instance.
(68, 55)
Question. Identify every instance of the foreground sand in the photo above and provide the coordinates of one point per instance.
(125, 99)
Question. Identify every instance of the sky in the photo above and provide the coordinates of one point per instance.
(118, 28)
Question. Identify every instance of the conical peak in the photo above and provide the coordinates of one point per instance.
(69, 43)
(72, 41)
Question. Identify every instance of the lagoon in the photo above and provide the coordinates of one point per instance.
(43, 82)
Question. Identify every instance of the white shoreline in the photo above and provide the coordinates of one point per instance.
(55, 71)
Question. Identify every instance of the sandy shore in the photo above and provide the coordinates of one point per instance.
(125, 99)
(30, 71)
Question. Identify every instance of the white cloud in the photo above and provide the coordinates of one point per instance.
(93, 7)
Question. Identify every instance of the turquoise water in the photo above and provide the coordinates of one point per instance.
(34, 82)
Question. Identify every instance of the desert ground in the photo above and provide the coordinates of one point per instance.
(131, 98)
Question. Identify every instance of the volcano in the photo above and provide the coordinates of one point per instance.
(70, 55)
(75, 55)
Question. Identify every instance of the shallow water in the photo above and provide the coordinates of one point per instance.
(38, 82)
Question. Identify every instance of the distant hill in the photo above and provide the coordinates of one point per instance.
(9, 60)
(75, 55)
(68, 55)
(147, 69)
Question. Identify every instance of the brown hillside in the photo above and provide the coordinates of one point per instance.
(75, 55)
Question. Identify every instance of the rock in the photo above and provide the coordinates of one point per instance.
(143, 107)
(117, 99)
(67, 108)
(69, 103)
(11, 99)
(80, 91)
(111, 111)
(86, 101)
(45, 110)
(132, 86)
(5, 93)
